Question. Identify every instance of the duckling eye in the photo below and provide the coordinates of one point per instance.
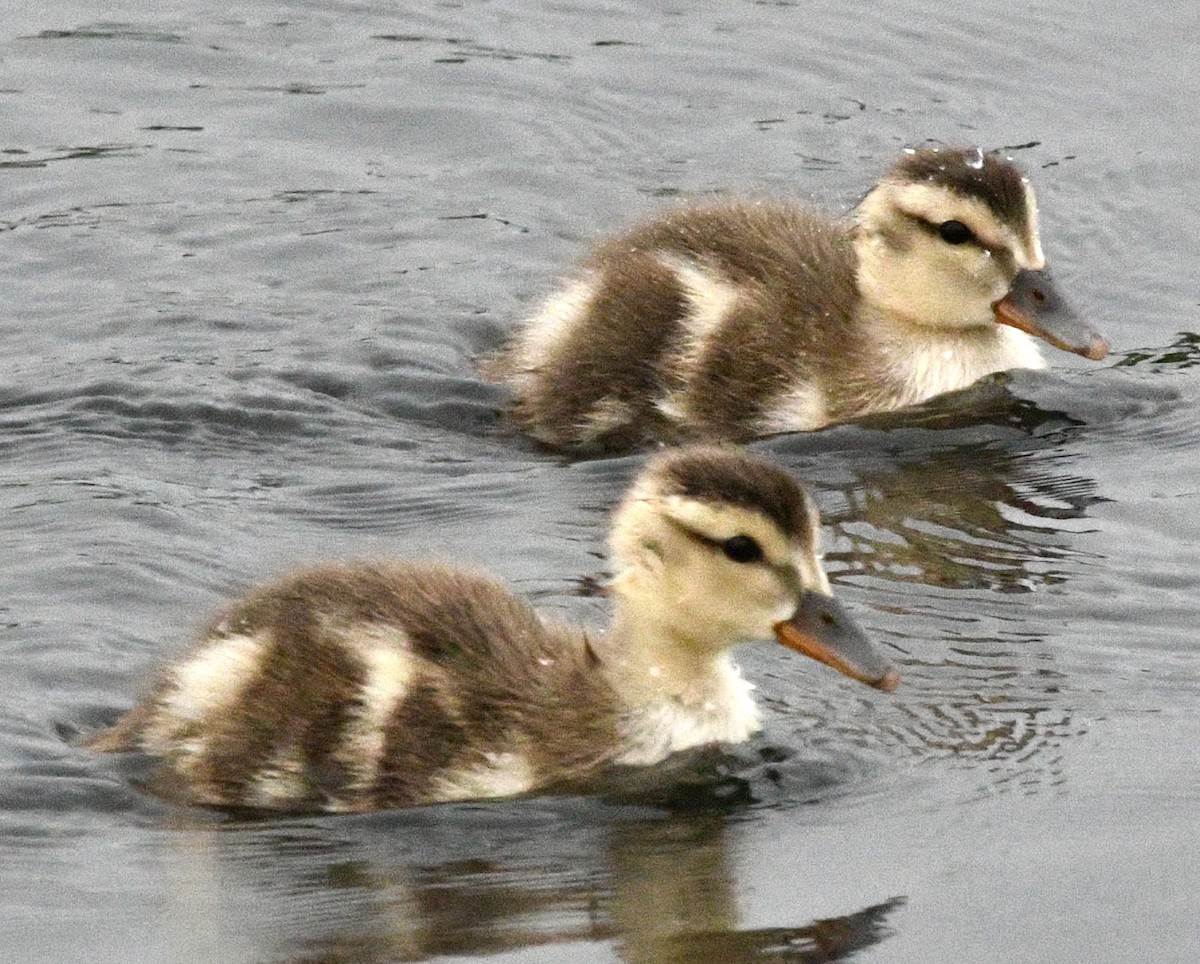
(955, 232)
(742, 549)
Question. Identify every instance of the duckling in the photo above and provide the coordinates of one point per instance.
(381, 684)
(729, 321)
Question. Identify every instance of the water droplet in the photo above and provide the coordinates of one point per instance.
(973, 157)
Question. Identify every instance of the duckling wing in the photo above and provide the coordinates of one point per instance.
(586, 370)
(693, 325)
(375, 685)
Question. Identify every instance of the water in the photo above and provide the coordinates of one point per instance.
(248, 258)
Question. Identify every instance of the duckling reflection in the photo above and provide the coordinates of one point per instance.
(736, 320)
(662, 893)
(1182, 353)
(674, 901)
(968, 517)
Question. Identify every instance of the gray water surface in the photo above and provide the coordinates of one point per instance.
(247, 258)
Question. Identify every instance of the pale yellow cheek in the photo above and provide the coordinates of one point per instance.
(991, 281)
(1033, 258)
(785, 611)
(812, 573)
(943, 295)
(731, 604)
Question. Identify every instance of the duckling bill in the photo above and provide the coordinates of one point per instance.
(384, 684)
(740, 319)
(1033, 305)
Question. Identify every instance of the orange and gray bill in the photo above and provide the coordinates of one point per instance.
(1034, 306)
(822, 629)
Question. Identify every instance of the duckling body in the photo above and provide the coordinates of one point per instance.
(734, 320)
(382, 684)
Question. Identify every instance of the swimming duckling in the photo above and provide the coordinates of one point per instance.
(735, 320)
(383, 684)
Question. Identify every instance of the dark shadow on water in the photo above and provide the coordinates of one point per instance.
(730, 779)
(826, 940)
(654, 889)
(1183, 353)
(990, 411)
(830, 939)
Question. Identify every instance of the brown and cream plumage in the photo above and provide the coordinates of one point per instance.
(734, 320)
(383, 684)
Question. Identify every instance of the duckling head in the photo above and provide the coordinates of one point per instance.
(714, 547)
(949, 239)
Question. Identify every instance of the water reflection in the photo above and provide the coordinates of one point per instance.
(972, 491)
(829, 939)
(656, 891)
(1182, 353)
(977, 518)
(949, 521)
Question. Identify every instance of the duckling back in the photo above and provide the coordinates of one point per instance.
(373, 685)
(691, 326)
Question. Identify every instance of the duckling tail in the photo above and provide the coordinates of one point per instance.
(124, 736)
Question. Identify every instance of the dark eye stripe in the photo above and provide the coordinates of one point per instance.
(739, 548)
(786, 572)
